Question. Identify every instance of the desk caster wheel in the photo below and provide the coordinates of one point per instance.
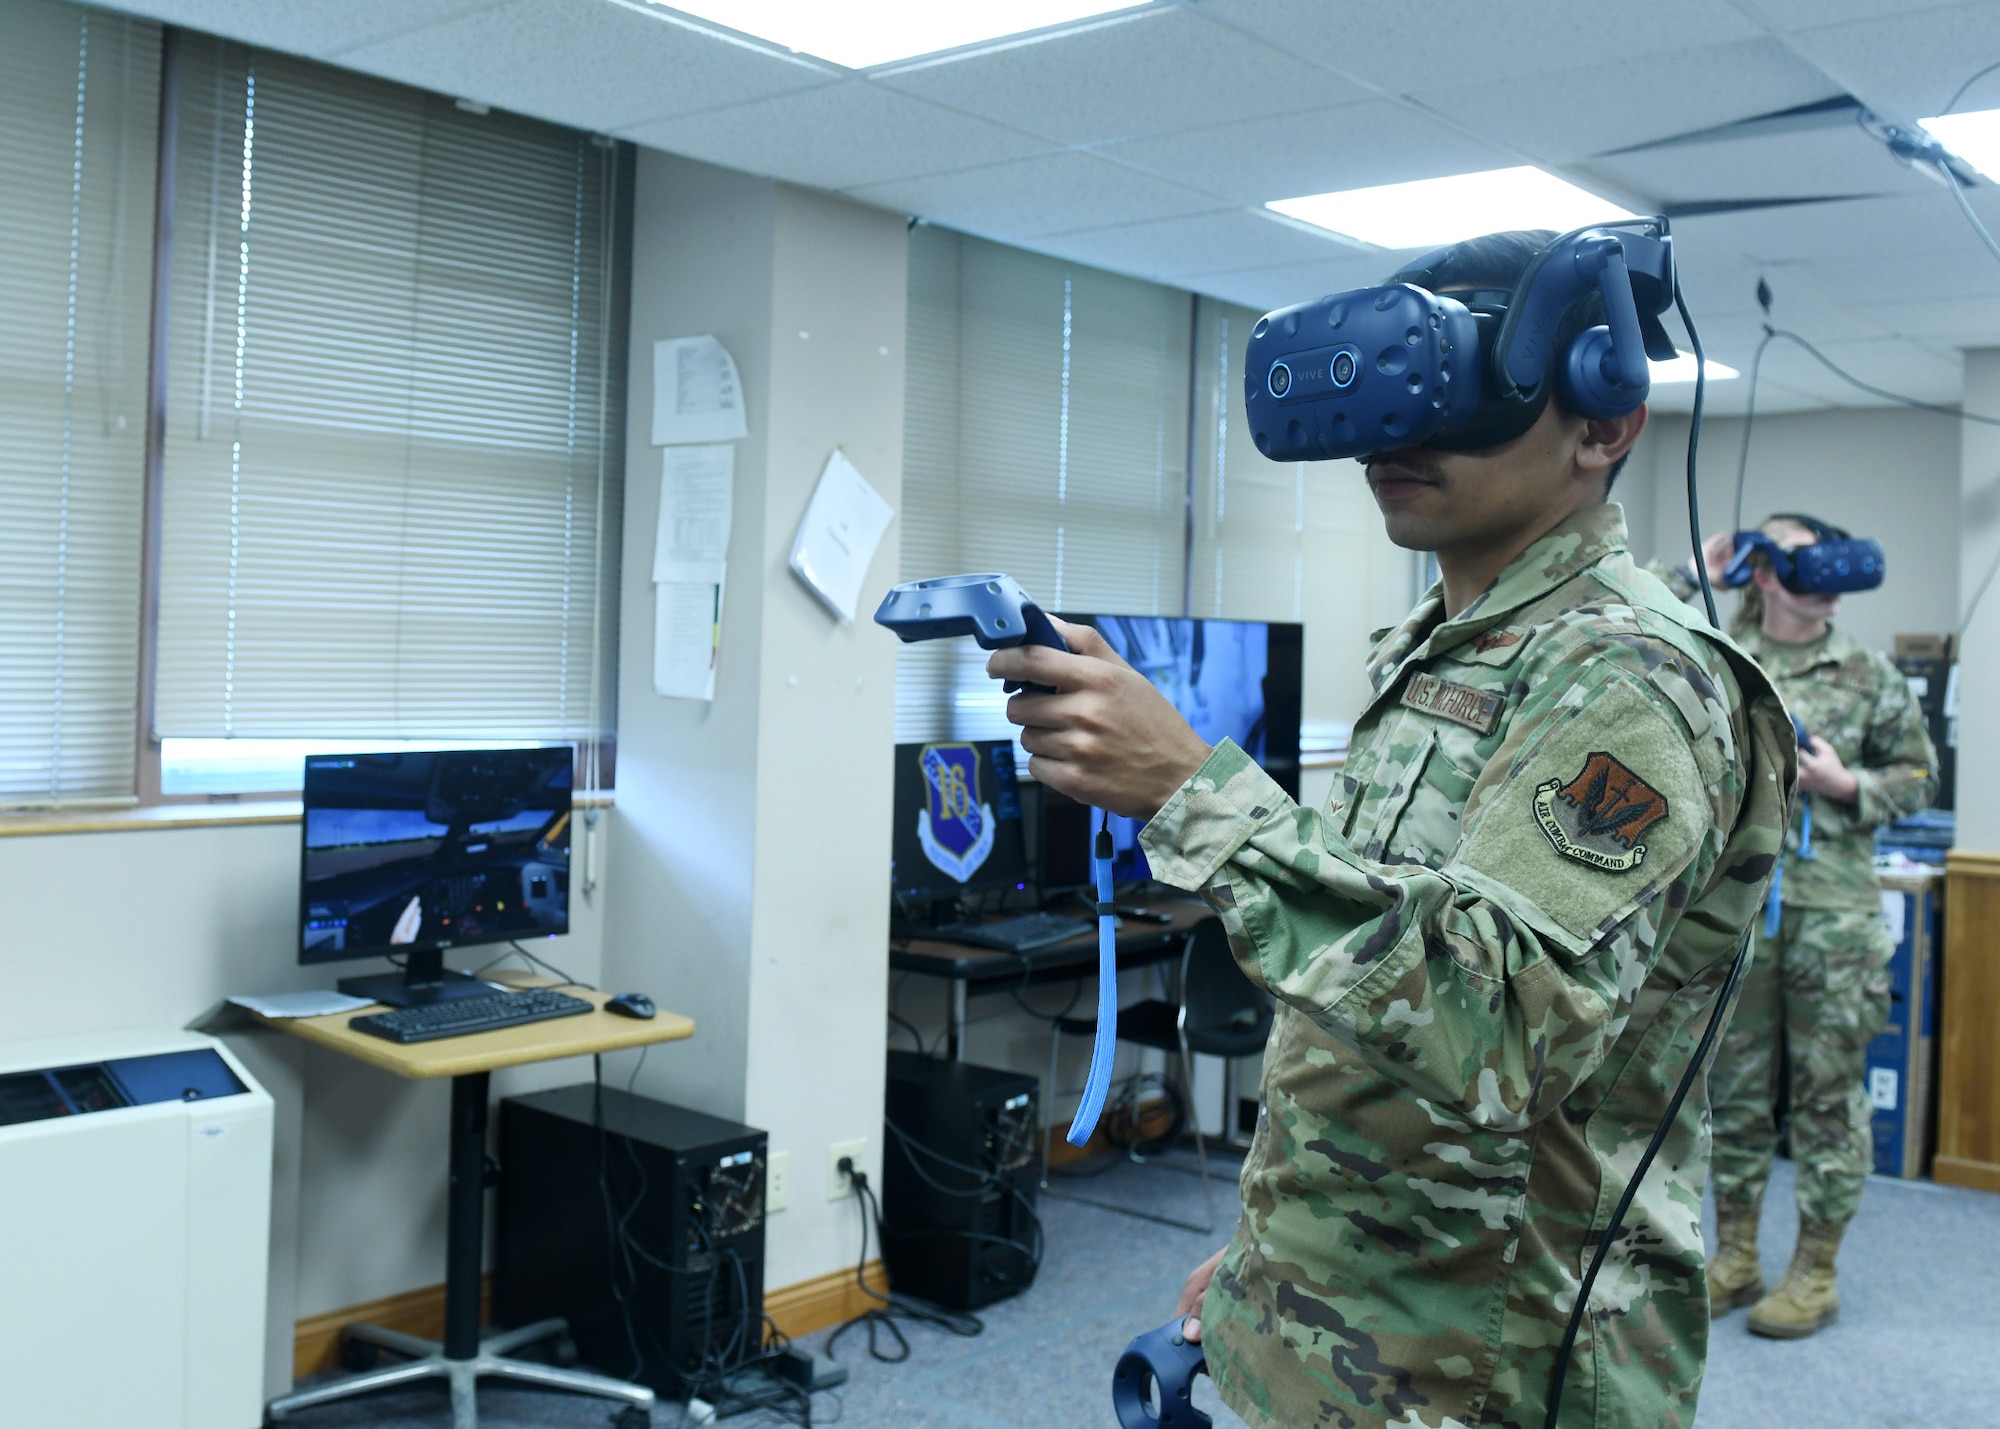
(358, 1356)
(632, 1417)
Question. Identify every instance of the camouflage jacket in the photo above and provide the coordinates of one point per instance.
(1493, 952)
(1856, 700)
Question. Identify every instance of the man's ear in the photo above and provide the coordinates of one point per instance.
(1607, 440)
(1766, 580)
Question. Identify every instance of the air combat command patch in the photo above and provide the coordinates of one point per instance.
(1600, 816)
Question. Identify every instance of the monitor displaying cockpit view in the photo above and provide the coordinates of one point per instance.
(426, 850)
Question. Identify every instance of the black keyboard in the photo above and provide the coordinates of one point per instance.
(1020, 934)
(462, 1016)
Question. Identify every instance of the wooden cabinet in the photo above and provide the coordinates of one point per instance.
(1969, 1056)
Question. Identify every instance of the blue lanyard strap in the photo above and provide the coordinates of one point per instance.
(1104, 1051)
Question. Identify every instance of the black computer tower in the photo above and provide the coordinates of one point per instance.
(689, 1189)
(951, 1236)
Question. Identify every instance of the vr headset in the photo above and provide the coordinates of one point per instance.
(1399, 366)
(1834, 564)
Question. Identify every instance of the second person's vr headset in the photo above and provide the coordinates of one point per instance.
(1834, 564)
(1398, 366)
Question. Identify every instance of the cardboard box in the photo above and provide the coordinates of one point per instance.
(1923, 647)
(1902, 1084)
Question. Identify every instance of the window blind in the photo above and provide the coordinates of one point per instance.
(78, 118)
(1045, 436)
(391, 489)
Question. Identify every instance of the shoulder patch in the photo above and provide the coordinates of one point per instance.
(1600, 817)
(1461, 704)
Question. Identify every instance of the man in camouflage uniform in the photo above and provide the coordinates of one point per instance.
(1493, 950)
(1820, 987)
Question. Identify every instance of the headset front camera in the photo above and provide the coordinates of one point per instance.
(1280, 379)
(1343, 369)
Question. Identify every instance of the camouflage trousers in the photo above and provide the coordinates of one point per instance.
(1820, 989)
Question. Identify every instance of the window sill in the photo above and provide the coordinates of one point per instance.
(42, 822)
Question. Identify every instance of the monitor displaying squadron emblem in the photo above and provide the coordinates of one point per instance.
(1600, 816)
(955, 826)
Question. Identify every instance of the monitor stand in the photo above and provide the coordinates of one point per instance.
(424, 979)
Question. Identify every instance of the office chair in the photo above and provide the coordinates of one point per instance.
(1221, 1013)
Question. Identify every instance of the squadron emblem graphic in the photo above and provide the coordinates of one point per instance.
(1600, 816)
(955, 826)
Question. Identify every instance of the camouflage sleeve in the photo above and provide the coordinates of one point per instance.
(1899, 767)
(1494, 984)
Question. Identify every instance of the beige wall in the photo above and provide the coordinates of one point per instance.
(1889, 473)
(154, 928)
(748, 871)
(1978, 514)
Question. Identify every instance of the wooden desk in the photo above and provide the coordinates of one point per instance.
(470, 1061)
(972, 970)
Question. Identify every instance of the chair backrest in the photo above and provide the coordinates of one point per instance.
(1223, 1006)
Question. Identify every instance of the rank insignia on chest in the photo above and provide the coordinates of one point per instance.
(1600, 816)
(1461, 704)
(1496, 640)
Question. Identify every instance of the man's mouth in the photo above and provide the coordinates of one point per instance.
(1394, 482)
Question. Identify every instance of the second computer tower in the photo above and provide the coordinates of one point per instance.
(688, 1191)
(958, 1181)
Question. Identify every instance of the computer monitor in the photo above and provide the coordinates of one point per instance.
(413, 853)
(958, 821)
(1240, 679)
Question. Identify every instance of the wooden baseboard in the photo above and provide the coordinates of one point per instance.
(1957, 1171)
(316, 1339)
(823, 1301)
(797, 1310)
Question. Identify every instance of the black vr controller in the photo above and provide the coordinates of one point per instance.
(1165, 1362)
(1399, 366)
(1834, 564)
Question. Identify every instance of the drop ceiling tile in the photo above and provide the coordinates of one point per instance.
(1588, 110)
(1895, 227)
(1285, 284)
(1907, 66)
(1838, 160)
(1173, 248)
(1893, 364)
(1312, 151)
(1027, 198)
(836, 136)
(591, 63)
(1959, 322)
(304, 27)
(1919, 277)
(1804, 14)
(1162, 70)
(1403, 45)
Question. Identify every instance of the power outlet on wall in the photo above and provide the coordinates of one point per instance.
(838, 1187)
(777, 1179)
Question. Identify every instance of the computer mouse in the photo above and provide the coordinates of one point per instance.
(631, 1004)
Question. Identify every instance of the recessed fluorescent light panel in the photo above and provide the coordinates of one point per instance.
(862, 34)
(1681, 369)
(1974, 137)
(1431, 212)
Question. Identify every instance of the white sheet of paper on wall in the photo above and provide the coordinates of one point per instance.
(843, 525)
(1892, 915)
(697, 490)
(687, 634)
(1883, 1087)
(697, 395)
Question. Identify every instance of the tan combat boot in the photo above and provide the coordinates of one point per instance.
(1804, 1300)
(1734, 1276)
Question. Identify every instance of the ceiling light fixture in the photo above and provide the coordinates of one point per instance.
(1430, 212)
(1974, 137)
(865, 33)
(1681, 369)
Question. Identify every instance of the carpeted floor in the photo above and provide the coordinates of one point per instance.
(1920, 1287)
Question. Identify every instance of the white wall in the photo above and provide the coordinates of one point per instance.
(1979, 658)
(1889, 473)
(154, 928)
(749, 871)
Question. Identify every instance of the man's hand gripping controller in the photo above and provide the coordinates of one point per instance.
(1161, 1357)
(997, 613)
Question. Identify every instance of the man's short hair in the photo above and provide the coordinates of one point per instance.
(1497, 260)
